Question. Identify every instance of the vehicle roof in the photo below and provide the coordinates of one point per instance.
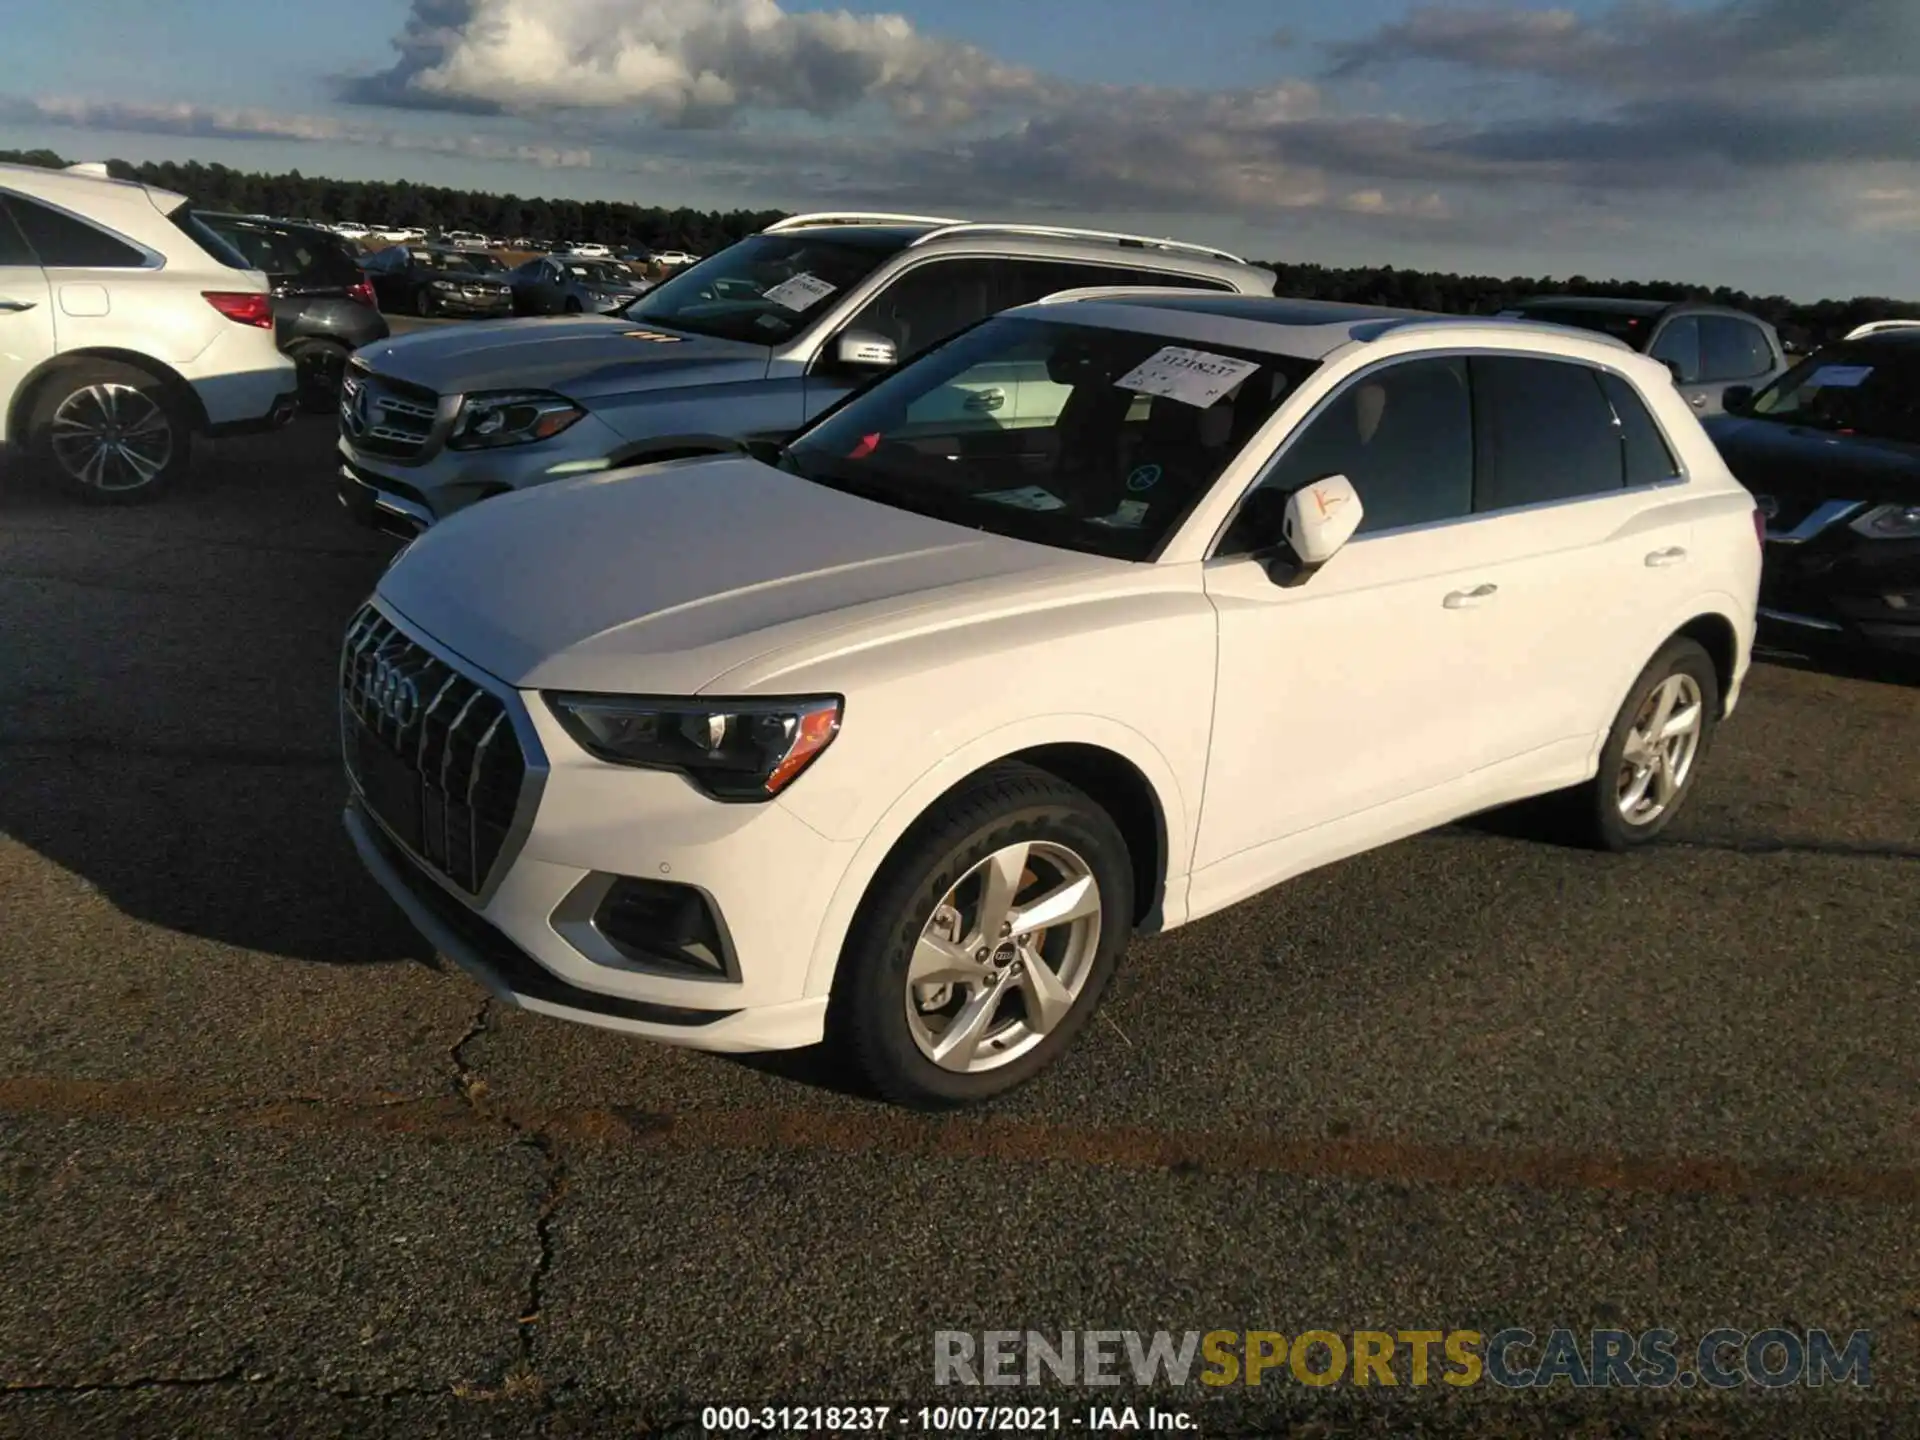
(1901, 341)
(260, 222)
(1305, 329)
(79, 188)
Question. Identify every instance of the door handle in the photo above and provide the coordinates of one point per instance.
(6, 304)
(1699, 402)
(986, 400)
(1467, 599)
(1671, 556)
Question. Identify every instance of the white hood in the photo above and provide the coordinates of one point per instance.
(658, 580)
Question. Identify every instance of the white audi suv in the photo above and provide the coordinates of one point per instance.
(897, 733)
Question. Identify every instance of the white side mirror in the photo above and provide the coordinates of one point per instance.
(866, 350)
(1322, 517)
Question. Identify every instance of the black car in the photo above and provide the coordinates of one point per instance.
(563, 285)
(1831, 450)
(1708, 347)
(438, 280)
(323, 307)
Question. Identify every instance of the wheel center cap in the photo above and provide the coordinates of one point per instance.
(1005, 955)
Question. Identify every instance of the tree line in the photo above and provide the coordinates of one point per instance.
(611, 222)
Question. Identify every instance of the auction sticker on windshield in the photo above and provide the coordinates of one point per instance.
(1193, 377)
(1840, 377)
(801, 292)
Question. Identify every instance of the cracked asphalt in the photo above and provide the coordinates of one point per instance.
(266, 1168)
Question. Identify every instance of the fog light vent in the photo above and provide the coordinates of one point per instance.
(660, 924)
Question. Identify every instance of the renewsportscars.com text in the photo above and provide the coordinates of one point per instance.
(1721, 1359)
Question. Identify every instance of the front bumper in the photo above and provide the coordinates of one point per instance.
(491, 957)
(1839, 590)
(445, 481)
(515, 916)
(490, 307)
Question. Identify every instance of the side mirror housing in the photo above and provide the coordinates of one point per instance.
(864, 350)
(1320, 518)
(1737, 399)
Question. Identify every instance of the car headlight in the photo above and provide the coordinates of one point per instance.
(511, 417)
(732, 749)
(444, 285)
(1889, 522)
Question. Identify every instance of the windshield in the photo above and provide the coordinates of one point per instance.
(456, 260)
(603, 275)
(1070, 435)
(1851, 390)
(765, 289)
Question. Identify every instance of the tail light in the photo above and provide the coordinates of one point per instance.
(242, 307)
(1759, 525)
(362, 290)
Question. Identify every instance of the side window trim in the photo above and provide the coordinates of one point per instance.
(1327, 401)
(151, 259)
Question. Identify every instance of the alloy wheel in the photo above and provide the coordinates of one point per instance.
(1661, 747)
(112, 437)
(1004, 957)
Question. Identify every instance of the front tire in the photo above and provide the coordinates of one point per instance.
(111, 433)
(985, 941)
(1653, 753)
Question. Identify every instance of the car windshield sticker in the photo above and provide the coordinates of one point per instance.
(1193, 377)
(801, 292)
(1144, 478)
(1840, 377)
(771, 322)
(653, 335)
(1127, 517)
(1029, 497)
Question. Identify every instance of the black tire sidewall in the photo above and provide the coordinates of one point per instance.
(1610, 827)
(54, 392)
(868, 1009)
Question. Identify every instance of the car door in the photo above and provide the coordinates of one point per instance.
(1353, 690)
(1677, 342)
(1580, 549)
(26, 314)
(1733, 351)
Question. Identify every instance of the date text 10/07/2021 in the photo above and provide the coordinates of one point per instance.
(943, 1419)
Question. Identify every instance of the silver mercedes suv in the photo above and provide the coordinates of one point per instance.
(748, 345)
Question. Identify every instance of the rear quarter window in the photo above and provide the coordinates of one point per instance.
(1645, 454)
(1543, 430)
(66, 241)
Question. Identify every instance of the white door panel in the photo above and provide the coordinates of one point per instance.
(1351, 690)
(26, 329)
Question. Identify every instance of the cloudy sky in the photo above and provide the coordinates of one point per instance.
(1767, 144)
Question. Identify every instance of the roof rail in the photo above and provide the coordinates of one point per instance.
(1880, 327)
(855, 217)
(1069, 232)
(1120, 292)
(1400, 324)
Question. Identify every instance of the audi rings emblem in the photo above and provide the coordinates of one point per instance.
(390, 692)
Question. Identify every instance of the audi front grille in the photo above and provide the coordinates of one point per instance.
(432, 753)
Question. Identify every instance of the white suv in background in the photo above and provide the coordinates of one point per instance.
(126, 328)
(899, 734)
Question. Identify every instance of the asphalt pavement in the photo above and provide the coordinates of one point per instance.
(268, 1168)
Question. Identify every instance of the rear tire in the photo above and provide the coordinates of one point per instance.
(1005, 997)
(109, 432)
(572, 307)
(1653, 753)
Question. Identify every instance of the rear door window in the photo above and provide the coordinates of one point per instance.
(1732, 349)
(1543, 430)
